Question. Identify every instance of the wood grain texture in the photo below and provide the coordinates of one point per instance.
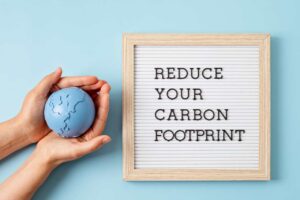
(130, 41)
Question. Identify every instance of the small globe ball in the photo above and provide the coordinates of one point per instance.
(69, 112)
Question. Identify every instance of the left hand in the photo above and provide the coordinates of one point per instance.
(31, 116)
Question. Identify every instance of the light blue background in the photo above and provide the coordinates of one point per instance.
(85, 37)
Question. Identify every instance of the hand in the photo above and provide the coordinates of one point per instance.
(58, 150)
(31, 116)
(51, 150)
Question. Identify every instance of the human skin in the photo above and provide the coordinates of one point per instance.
(51, 150)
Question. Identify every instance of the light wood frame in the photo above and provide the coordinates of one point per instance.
(130, 173)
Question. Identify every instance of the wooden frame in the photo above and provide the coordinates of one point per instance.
(129, 42)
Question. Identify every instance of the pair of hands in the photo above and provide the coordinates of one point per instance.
(51, 147)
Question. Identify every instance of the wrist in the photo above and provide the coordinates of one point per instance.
(12, 137)
(44, 160)
(47, 153)
(23, 130)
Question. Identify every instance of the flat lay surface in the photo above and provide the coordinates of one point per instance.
(85, 38)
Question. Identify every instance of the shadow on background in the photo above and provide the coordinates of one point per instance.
(276, 98)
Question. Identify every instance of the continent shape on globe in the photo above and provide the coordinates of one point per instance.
(69, 112)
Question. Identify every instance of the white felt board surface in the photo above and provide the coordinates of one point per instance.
(237, 91)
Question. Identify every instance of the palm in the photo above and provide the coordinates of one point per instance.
(33, 116)
(60, 149)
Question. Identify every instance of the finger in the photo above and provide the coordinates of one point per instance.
(94, 95)
(103, 95)
(87, 147)
(95, 86)
(77, 81)
(54, 88)
(93, 90)
(46, 84)
(102, 104)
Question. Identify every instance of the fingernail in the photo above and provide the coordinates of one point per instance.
(106, 140)
(57, 69)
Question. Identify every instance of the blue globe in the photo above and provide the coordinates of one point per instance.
(69, 112)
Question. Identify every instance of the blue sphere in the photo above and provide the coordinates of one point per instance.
(69, 112)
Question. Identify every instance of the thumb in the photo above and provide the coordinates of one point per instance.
(45, 85)
(92, 145)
